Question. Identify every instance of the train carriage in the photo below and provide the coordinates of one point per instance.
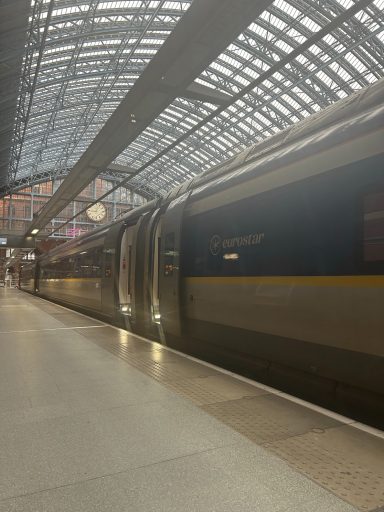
(270, 264)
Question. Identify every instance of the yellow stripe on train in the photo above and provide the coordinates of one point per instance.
(69, 279)
(335, 281)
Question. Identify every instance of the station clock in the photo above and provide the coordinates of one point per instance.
(97, 212)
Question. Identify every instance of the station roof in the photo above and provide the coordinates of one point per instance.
(82, 58)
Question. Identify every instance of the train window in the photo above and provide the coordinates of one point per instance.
(88, 263)
(108, 258)
(373, 236)
(169, 254)
(68, 267)
(96, 268)
(77, 266)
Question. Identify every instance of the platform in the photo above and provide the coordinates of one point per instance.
(93, 418)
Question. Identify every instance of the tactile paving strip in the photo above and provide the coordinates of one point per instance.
(152, 360)
(168, 371)
(194, 391)
(267, 418)
(213, 388)
(344, 460)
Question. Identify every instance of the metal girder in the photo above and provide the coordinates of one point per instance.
(70, 70)
(206, 94)
(105, 85)
(28, 181)
(36, 39)
(13, 30)
(332, 68)
(205, 30)
(114, 173)
(304, 75)
(277, 67)
(124, 169)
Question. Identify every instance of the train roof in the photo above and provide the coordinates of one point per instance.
(362, 100)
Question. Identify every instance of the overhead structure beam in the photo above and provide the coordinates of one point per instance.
(36, 38)
(275, 68)
(207, 94)
(13, 34)
(205, 30)
(124, 169)
(338, 21)
(114, 172)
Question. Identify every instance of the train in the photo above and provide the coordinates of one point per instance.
(270, 264)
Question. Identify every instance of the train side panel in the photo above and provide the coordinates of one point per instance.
(84, 292)
(74, 276)
(28, 277)
(292, 278)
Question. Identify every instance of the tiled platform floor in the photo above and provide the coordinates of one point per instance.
(95, 419)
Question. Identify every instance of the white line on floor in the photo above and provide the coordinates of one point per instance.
(55, 329)
(16, 306)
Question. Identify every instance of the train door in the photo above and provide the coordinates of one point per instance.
(125, 277)
(146, 320)
(132, 287)
(152, 255)
(155, 274)
(169, 267)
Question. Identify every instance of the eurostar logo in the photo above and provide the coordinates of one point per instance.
(215, 245)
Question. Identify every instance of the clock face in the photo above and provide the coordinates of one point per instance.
(96, 212)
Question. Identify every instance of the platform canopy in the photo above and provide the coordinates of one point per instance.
(82, 59)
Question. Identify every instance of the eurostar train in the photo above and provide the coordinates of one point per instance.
(270, 264)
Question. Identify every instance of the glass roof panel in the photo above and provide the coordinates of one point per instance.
(285, 66)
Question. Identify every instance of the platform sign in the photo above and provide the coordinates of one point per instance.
(17, 241)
